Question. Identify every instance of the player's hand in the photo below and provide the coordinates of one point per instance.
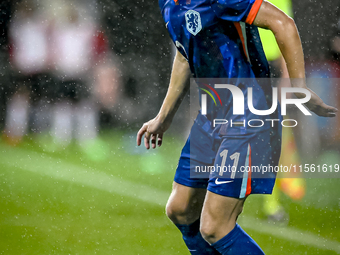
(316, 105)
(153, 129)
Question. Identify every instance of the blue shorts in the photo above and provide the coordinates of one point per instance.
(229, 165)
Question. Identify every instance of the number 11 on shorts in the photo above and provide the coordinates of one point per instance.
(234, 157)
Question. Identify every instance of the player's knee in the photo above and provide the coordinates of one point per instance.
(213, 229)
(209, 227)
(180, 213)
(175, 213)
(208, 232)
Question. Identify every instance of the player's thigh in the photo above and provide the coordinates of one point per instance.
(185, 203)
(219, 215)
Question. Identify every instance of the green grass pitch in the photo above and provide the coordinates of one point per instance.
(64, 203)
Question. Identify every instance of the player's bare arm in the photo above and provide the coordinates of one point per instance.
(288, 40)
(178, 87)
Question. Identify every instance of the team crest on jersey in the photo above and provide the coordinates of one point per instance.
(193, 20)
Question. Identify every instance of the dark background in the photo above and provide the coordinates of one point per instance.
(137, 34)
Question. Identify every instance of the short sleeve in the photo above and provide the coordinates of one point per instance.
(236, 10)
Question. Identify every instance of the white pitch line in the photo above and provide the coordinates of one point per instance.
(289, 234)
(48, 166)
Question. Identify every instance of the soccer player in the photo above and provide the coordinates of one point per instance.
(219, 39)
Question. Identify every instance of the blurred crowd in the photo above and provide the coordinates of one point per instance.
(62, 73)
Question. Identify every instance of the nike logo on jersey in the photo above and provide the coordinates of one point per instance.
(221, 182)
(166, 25)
